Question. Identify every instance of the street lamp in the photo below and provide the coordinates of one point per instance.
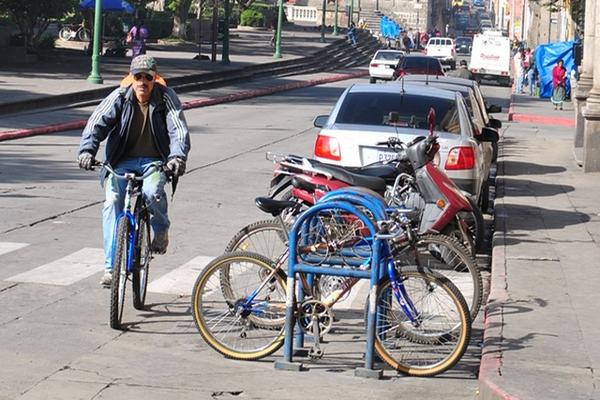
(335, 22)
(323, 22)
(351, 20)
(225, 49)
(95, 74)
(278, 33)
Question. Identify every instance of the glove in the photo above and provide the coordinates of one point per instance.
(86, 161)
(177, 166)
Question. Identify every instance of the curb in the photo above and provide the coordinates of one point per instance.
(543, 120)
(79, 124)
(491, 381)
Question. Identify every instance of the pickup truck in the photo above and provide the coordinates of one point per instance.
(443, 49)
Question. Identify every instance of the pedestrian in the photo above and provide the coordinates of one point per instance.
(406, 43)
(519, 71)
(531, 75)
(143, 123)
(462, 71)
(559, 75)
(136, 38)
(352, 33)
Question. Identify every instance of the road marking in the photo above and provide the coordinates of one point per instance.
(67, 270)
(180, 281)
(7, 247)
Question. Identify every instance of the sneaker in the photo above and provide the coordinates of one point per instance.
(160, 242)
(106, 279)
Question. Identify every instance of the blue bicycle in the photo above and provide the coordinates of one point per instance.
(132, 250)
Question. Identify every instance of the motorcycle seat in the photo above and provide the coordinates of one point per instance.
(370, 182)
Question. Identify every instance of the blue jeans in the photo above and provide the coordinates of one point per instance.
(531, 81)
(153, 185)
(520, 75)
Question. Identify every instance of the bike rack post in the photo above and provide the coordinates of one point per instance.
(346, 201)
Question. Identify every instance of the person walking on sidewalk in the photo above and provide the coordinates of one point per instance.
(519, 70)
(559, 75)
(136, 38)
(143, 123)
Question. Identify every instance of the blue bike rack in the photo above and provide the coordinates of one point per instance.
(351, 202)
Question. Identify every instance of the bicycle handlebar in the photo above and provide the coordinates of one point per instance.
(131, 176)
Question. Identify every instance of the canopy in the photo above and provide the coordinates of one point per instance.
(109, 5)
(389, 28)
(546, 56)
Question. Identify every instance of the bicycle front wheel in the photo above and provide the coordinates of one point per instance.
(139, 281)
(438, 337)
(249, 326)
(65, 34)
(119, 273)
(449, 257)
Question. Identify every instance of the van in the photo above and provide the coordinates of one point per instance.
(490, 58)
(442, 48)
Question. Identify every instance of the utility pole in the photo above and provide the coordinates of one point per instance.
(335, 21)
(95, 74)
(225, 48)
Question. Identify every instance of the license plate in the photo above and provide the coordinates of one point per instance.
(372, 155)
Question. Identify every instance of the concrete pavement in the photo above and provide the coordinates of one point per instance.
(542, 324)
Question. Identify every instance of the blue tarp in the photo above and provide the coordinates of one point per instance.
(109, 5)
(546, 56)
(389, 28)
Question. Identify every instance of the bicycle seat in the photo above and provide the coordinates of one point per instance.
(272, 206)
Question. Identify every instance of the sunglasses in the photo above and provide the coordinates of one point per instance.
(139, 77)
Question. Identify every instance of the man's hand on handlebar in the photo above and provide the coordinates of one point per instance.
(86, 161)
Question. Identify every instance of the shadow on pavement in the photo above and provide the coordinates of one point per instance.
(531, 218)
(524, 187)
(528, 168)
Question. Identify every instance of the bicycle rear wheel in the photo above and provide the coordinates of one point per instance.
(65, 33)
(139, 281)
(441, 336)
(119, 273)
(84, 35)
(266, 237)
(234, 327)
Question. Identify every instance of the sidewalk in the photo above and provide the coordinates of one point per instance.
(66, 70)
(542, 320)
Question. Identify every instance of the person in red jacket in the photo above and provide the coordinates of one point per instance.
(559, 75)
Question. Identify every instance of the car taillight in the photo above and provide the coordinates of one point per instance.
(328, 147)
(460, 158)
(374, 65)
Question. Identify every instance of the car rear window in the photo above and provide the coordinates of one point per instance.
(412, 110)
(388, 56)
(421, 63)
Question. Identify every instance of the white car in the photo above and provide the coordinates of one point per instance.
(383, 64)
(368, 114)
(442, 48)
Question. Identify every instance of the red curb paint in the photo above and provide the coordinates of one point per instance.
(544, 120)
(202, 102)
(511, 110)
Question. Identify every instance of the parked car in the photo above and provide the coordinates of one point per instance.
(418, 64)
(366, 114)
(383, 64)
(464, 44)
(443, 49)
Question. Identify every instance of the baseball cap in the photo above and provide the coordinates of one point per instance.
(143, 63)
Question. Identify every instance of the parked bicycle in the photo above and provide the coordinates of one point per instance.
(238, 302)
(132, 250)
(75, 32)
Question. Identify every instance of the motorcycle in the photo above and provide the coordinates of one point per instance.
(411, 180)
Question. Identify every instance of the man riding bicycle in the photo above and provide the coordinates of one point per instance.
(143, 123)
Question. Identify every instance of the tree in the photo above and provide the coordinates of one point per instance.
(33, 16)
(181, 9)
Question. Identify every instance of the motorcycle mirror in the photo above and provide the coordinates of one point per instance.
(431, 120)
(495, 123)
(320, 121)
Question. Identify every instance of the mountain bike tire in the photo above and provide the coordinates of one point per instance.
(265, 237)
(139, 278)
(237, 335)
(395, 336)
(119, 273)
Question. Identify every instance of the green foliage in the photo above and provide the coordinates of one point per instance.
(159, 25)
(33, 16)
(252, 17)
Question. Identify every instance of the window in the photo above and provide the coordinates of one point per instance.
(395, 109)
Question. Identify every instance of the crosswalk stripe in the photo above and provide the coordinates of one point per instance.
(180, 281)
(67, 270)
(7, 247)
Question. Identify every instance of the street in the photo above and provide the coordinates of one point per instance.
(54, 314)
